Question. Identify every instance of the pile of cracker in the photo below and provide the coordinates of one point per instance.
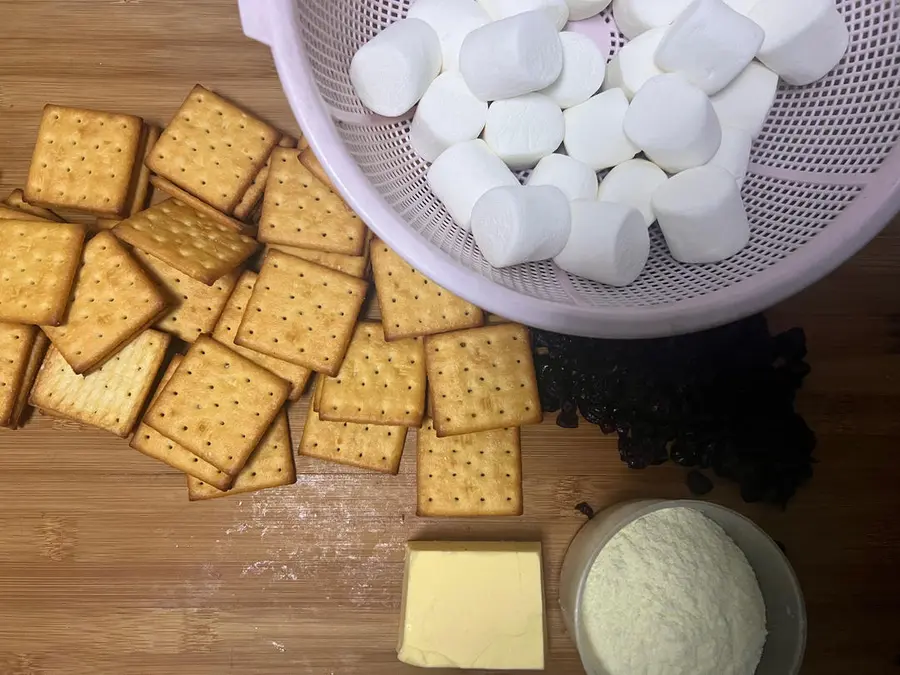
(193, 324)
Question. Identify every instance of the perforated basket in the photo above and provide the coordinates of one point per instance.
(824, 178)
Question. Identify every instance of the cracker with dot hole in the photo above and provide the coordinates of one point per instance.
(469, 475)
(113, 300)
(16, 342)
(84, 160)
(271, 465)
(373, 447)
(257, 187)
(482, 379)
(213, 149)
(354, 265)
(110, 397)
(299, 210)
(379, 382)
(168, 187)
(218, 405)
(302, 312)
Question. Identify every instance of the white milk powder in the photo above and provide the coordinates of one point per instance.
(672, 594)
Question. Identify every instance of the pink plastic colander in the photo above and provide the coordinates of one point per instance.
(824, 178)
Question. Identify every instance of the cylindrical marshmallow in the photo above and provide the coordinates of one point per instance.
(512, 56)
(594, 131)
(523, 130)
(633, 183)
(674, 123)
(503, 9)
(634, 17)
(710, 44)
(461, 176)
(585, 9)
(702, 216)
(805, 39)
(734, 153)
(447, 114)
(392, 71)
(576, 179)
(746, 102)
(584, 68)
(516, 224)
(635, 63)
(452, 20)
(609, 243)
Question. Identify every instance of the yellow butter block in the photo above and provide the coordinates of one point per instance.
(473, 605)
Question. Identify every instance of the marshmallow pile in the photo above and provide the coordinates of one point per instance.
(502, 87)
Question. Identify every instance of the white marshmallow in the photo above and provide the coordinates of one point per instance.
(674, 123)
(576, 179)
(585, 9)
(633, 183)
(523, 130)
(392, 71)
(635, 63)
(805, 39)
(634, 17)
(710, 44)
(594, 131)
(503, 9)
(609, 243)
(461, 176)
(452, 20)
(742, 6)
(516, 224)
(702, 216)
(746, 102)
(447, 114)
(734, 153)
(584, 67)
(512, 56)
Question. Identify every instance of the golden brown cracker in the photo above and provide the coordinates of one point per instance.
(194, 306)
(317, 392)
(38, 262)
(84, 159)
(226, 330)
(112, 396)
(16, 200)
(140, 178)
(213, 149)
(38, 351)
(271, 465)
(411, 304)
(368, 446)
(311, 162)
(378, 383)
(186, 198)
(113, 300)
(187, 240)
(11, 213)
(354, 265)
(482, 379)
(16, 343)
(252, 197)
(469, 475)
(302, 312)
(218, 405)
(299, 210)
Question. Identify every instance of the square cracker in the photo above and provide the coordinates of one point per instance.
(299, 210)
(113, 300)
(378, 383)
(311, 162)
(16, 200)
(186, 198)
(367, 446)
(12, 213)
(412, 305)
(189, 241)
(354, 265)
(254, 193)
(38, 350)
(139, 190)
(16, 342)
(227, 327)
(482, 379)
(302, 312)
(476, 474)
(150, 442)
(271, 465)
(195, 307)
(38, 262)
(218, 405)
(213, 149)
(112, 396)
(84, 159)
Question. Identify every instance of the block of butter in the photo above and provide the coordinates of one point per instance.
(473, 605)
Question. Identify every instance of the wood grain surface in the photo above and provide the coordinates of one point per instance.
(106, 568)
